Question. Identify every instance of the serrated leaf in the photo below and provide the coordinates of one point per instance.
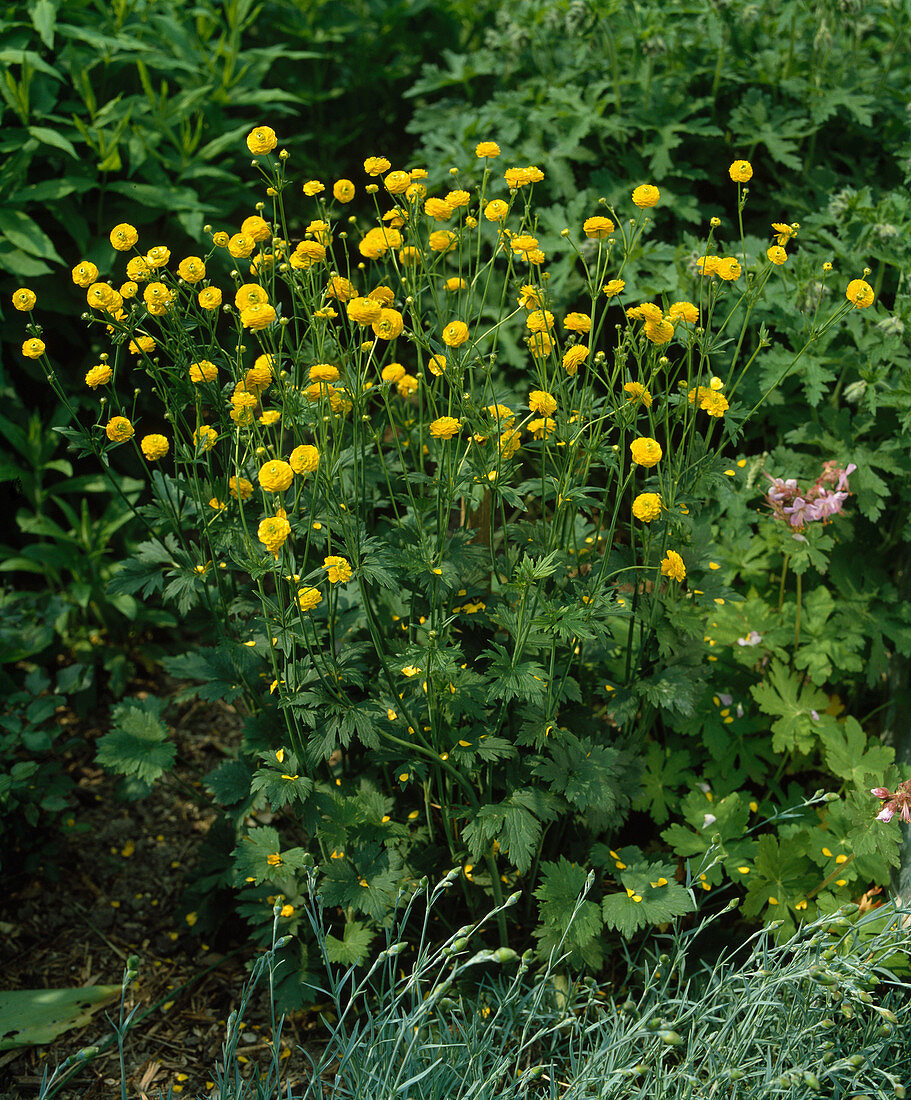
(847, 754)
(583, 772)
(651, 896)
(137, 744)
(229, 783)
(793, 702)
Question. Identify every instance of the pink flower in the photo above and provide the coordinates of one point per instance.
(885, 814)
(898, 802)
(819, 503)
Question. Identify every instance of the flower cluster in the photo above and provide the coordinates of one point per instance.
(823, 500)
(894, 802)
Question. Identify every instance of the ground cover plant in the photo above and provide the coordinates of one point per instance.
(469, 607)
(815, 1015)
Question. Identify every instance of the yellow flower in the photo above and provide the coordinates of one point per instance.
(273, 532)
(510, 442)
(203, 371)
(728, 269)
(396, 183)
(539, 320)
(784, 232)
(542, 428)
(33, 349)
(191, 269)
(270, 417)
(683, 311)
(210, 298)
(123, 237)
(240, 246)
(338, 569)
(411, 670)
(658, 332)
(496, 211)
(128, 290)
(275, 476)
(741, 171)
(646, 195)
(438, 209)
(542, 403)
(708, 265)
(574, 357)
(308, 598)
(24, 300)
(205, 437)
(457, 199)
(141, 344)
(647, 506)
(672, 566)
(156, 295)
(598, 228)
(98, 376)
(250, 294)
(406, 385)
(376, 166)
(502, 414)
(776, 255)
(382, 294)
(645, 451)
(340, 288)
(324, 372)
(304, 459)
(378, 241)
(445, 427)
(364, 311)
(257, 316)
(85, 273)
(343, 190)
(390, 324)
(455, 284)
(118, 429)
(313, 187)
(612, 288)
(578, 322)
(709, 399)
(530, 297)
(436, 364)
(415, 192)
(540, 344)
(524, 245)
(486, 149)
(220, 239)
(392, 372)
(442, 240)
(240, 488)
(154, 447)
(860, 294)
(158, 256)
(455, 334)
(261, 140)
(138, 269)
(638, 393)
(256, 228)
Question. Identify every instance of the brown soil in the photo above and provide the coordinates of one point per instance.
(115, 892)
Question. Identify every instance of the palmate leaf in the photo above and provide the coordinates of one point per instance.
(252, 857)
(848, 756)
(353, 947)
(780, 876)
(664, 772)
(793, 703)
(651, 896)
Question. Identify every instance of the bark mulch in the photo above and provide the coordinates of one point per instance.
(113, 890)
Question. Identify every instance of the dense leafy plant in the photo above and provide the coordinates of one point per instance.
(482, 596)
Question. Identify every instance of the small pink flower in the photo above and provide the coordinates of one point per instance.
(885, 814)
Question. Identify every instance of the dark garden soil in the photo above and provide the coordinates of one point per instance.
(112, 890)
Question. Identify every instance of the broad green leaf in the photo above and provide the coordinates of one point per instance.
(137, 744)
(353, 947)
(651, 896)
(34, 1017)
(785, 695)
(847, 754)
(26, 234)
(780, 876)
